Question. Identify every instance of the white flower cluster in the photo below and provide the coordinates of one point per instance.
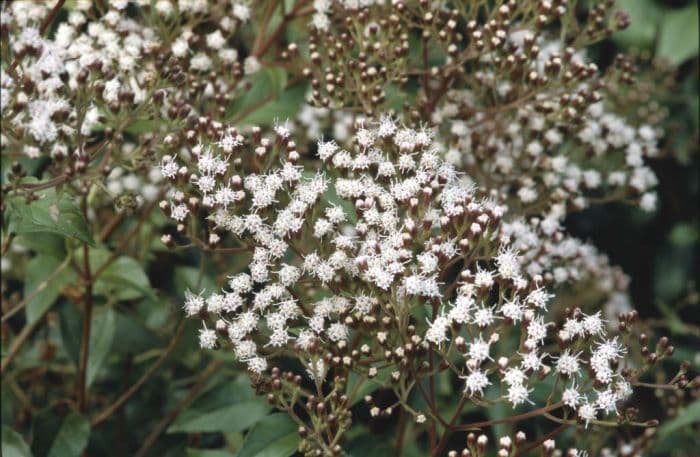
(537, 153)
(385, 250)
(376, 249)
(322, 10)
(57, 67)
(520, 372)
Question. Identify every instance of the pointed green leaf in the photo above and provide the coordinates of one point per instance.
(267, 85)
(644, 22)
(285, 106)
(72, 437)
(678, 36)
(101, 337)
(124, 278)
(70, 322)
(233, 418)
(13, 445)
(51, 214)
(274, 436)
(45, 427)
(208, 453)
(686, 417)
(45, 277)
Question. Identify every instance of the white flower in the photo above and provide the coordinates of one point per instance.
(648, 202)
(241, 10)
(475, 382)
(517, 394)
(587, 412)
(207, 338)
(193, 303)
(512, 309)
(568, 364)
(317, 371)
(532, 361)
(257, 364)
(607, 401)
(216, 40)
(320, 21)
(483, 278)
(593, 324)
(508, 264)
(513, 376)
(571, 396)
(437, 332)
(337, 332)
(179, 212)
(537, 329)
(326, 149)
(483, 317)
(539, 298)
(479, 350)
(251, 65)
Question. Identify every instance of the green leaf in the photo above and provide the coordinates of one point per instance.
(102, 331)
(267, 85)
(684, 234)
(70, 322)
(187, 278)
(234, 418)
(45, 427)
(285, 106)
(688, 416)
(368, 385)
(274, 436)
(144, 125)
(101, 337)
(678, 36)
(376, 446)
(13, 445)
(72, 437)
(130, 329)
(29, 165)
(644, 22)
(124, 278)
(208, 453)
(9, 403)
(672, 272)
(44, 293)
(51, 214)
(47, 244)
(672, 320)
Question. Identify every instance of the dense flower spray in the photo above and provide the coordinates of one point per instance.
(409, 271)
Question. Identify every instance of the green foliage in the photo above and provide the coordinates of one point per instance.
(123, 279)
(645, 16)
(13, 445)
(267, 99)
(53, 213)
(70, 326)
(672, 33)
(678, 34)
(687, 417)
(208, 453)
(235, 417)
(46, 275)
(71, 438)
(283, 106)
(274, 436)
(101, 337)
